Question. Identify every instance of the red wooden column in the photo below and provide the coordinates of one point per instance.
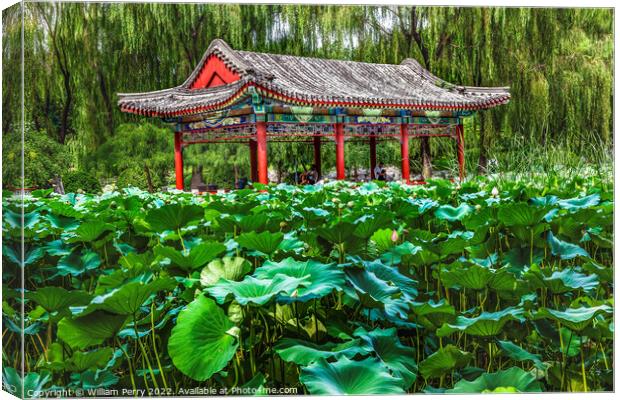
(317, 154)
(373, 156)
(460, 151)
(404, 152)
(261, 151)
(253, 164)
(339, 130)
(178, 160)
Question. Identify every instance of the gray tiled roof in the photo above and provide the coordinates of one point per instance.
(314, 81)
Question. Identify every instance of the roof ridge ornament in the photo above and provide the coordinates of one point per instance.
(227, 54)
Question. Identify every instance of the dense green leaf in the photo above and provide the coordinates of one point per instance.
(576, 319)
(193, 258)
(443, 361)
(485, 324)
(399, 359)
(89, 330)
(321, 279)
(451, 214)
(302, 352)
(264, 242)
(173, 216)
(203, 341)
(517, 353)
(511, 380)
(256, 291)
(345, 377)
(565, 250)
(229, 268)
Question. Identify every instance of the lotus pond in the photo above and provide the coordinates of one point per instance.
(486, 287)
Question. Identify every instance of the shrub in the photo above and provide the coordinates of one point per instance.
(44, 158)
(80, 180)
(132, 176)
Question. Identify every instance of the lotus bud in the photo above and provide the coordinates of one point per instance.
(394, 235)
(495, 192)
(350, 204)
(478, 207)
(282, 224)
(335, 200)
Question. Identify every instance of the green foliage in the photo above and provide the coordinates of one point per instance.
(509, 381)
(203, 341)
(80, 181)
(346, 377)
(560, 74)
(44, 158)
(131, 151)
(486, 286)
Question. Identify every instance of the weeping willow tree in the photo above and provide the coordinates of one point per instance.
(558, 63)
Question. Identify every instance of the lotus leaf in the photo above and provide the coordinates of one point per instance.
(173, 217)
(337, 234)
(81, 361)
(78, 262)
(229, 268)
(518, 353)
(264, 242)
(31, 384)
(127, 299)
(94, 379)
(256, 291)
(203, 341)
(302, 352)
(471, 277)
(575, 319)
(89, 231)
(452, 214)
(485, 324)
(565, 250)
(520, 214)
(322, 278)
(345, 377)
(391, 274)
(569, 279)
(89, 330)
(376, 292)
(193, 258)
(580, 203)
(31, 255)
(510, 380)
(399, 359)
(53, 298)
(443, 361)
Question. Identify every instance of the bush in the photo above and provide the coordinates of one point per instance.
(132, 176)
(132, 148)
(80, 180)
(44, 158)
